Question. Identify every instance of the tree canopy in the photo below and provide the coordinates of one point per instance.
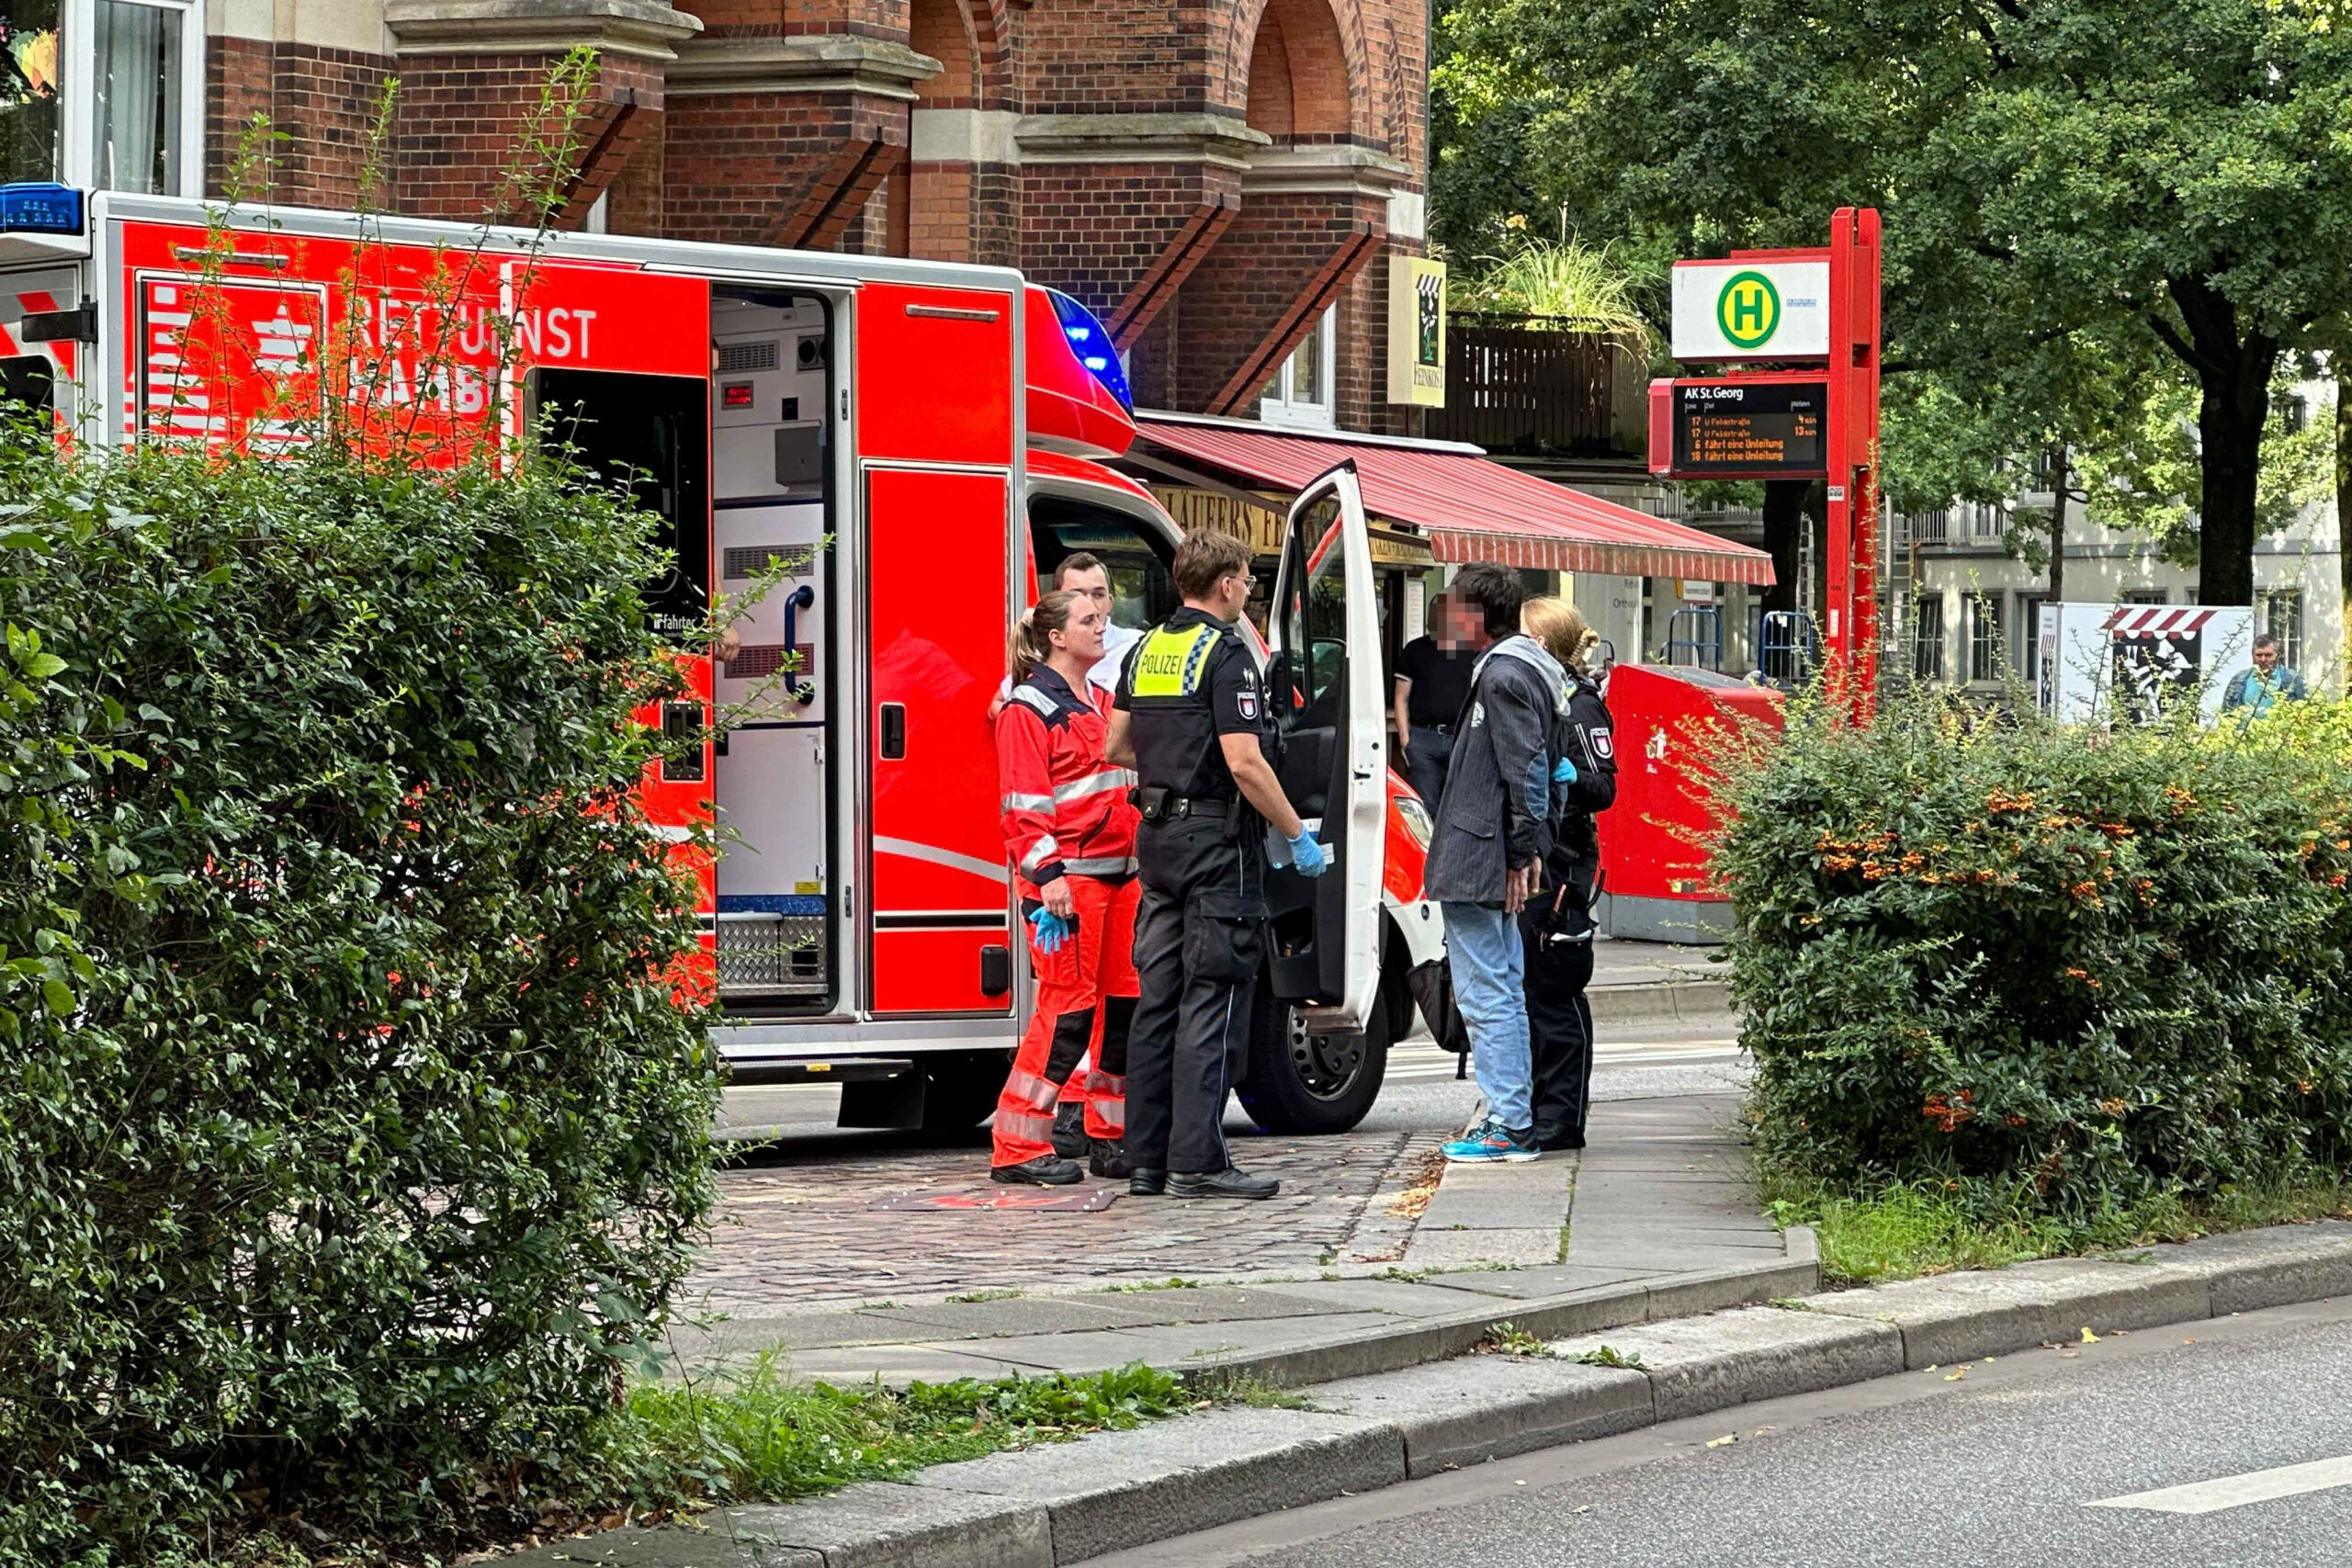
(2069, 186)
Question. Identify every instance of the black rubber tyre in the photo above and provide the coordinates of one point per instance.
(1311, 1083)
(960, 1090)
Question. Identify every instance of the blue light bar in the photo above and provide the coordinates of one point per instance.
(1090, 342)
(40, 209)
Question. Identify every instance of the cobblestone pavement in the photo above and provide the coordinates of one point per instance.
(798, 1227)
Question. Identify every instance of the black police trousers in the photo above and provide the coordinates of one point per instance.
(1199, 937)
(1559, 1025)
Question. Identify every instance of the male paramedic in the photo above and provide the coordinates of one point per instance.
(1191, 717)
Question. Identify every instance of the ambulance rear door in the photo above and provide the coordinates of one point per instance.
(1325, 682)
(43, 335)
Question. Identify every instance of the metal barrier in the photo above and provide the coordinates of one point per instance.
(1791, 649)
(1704, 646)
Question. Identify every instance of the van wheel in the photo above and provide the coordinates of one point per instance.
(959, 1091)
(1311, 1083)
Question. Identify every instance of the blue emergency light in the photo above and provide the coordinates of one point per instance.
(40, 207)
(1091, 341)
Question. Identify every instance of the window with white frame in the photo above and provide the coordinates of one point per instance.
(1300, 392)
(2282, 618)
(107, 94)
(1983, 611)
(1928, 639)
(2026, 647)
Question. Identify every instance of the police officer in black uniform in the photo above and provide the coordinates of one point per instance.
(1193, 717)
(1556, 925)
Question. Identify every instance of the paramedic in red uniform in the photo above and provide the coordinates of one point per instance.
(1069, 833)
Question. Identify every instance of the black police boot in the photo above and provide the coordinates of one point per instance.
(1230, 1182)
(1554, 1136)
(1045, 1170)
(1110, 1161)
(1069, 1130)
(1143, 1182)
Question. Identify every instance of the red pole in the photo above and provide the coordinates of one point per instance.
(1851, 635)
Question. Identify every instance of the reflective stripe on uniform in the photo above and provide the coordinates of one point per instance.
(1106, 1100)
(1169, 661)
(1093, 783)
(1028, 1129)
(1031, 1089)
(1044, 850)
(1028, 803)
(1033, 697)
(1102, 865)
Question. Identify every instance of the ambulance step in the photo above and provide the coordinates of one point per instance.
(833, 1069)
(764, 954)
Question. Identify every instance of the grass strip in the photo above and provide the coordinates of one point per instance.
(1901, 1231)
(753, 1436)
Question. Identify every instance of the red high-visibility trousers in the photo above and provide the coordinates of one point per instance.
(1086, 992)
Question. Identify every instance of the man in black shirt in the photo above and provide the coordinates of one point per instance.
(1193, 716)
(1432, 682)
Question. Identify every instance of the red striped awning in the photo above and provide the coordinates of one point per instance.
(1472, 509)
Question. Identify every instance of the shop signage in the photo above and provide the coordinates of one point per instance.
(1416, 330)
(1751, 309)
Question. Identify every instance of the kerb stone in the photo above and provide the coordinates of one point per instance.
(1958, 1317)
(2278, 1266)
(1736, 1358)
(1126, 1489)
(1485, 1407)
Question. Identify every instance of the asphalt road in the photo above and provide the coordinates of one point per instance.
(1420, 1092)
(2243, 1424)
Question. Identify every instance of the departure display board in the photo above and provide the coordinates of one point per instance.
(1750, 429)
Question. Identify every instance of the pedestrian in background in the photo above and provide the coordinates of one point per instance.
(1069, 833)
(1556, 927)
(2266, 685)
(1492, 831)
(1432, 682)
(1194, 717)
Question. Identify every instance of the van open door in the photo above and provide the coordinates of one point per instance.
(1326, 682)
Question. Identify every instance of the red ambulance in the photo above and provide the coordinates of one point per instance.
(916, 443)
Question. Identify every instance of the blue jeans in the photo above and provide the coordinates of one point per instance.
(1483, 950)
(1426, 755)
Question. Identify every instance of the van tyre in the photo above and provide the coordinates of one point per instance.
(960, 1092)
(1311, 1083)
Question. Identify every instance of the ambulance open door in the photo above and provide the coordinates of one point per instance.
(1324, 683)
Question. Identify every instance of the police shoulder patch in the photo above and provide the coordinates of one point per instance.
(1602, 745)
(1245, 702)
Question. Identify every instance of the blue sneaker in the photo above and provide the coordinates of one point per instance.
(1490, 1143)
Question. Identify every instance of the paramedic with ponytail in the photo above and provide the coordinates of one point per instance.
(1069, 833)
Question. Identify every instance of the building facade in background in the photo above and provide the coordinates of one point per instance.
(1224, 184)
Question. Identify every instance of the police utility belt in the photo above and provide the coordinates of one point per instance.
(1158, 805)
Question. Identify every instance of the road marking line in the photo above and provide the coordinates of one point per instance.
(2236, 1491)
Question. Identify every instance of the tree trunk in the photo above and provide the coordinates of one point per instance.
(2233, 381)
(2057, 530)
(2343, 496)
(1783, 528)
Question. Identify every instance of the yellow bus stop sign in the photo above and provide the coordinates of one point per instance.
(1749, 310)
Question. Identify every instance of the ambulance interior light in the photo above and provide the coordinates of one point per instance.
(1090, 342)
(40, 207)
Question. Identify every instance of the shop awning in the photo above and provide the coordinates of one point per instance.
(1472, 509)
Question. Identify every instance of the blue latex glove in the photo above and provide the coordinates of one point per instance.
(1307, 856)
(1564, 772)
(1052, 929)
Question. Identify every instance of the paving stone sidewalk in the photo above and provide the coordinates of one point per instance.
(1373, 1237)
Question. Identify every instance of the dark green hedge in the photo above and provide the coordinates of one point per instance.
(350, 1134)
(2091, 968)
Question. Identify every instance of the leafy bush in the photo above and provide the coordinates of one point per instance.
(2074, 973)
(352, 1137)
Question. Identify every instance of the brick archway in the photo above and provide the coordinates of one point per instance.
(1300, 84)
(943, 29)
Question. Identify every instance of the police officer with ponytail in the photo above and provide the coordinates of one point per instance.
(1193, 716)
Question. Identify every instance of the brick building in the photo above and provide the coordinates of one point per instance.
(1220, 180)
